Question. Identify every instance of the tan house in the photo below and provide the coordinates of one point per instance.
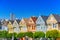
(23, 25)
(32, 24)
(53, 22)
(10, 26)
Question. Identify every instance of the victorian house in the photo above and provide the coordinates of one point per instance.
(23, 25)
(53, 22)
(41, 23)
(31, 26)
(16, 26)
(10, 26)
(4, 24)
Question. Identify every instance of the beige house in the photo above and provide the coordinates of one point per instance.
(53, 22)
(23, 25)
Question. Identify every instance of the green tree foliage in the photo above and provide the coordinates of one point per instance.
(39, 34)
(15, 35)
(20, 35)
(29, 34)
(52, 34)
(3, 34)
(9, 35)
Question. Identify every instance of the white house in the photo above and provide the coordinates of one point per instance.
(41, 23)
(4, 25)
(16, 26)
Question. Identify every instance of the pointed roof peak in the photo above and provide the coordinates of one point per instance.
(57, 17)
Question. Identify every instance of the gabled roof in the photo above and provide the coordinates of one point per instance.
(4, 22)
(57, 17)
(44, 18)
(26, 20)
(11, 21)
(18, 20)
(34, 18)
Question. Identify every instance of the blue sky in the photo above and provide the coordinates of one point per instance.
(27, 8)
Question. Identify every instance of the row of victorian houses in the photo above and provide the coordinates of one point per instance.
(32, 24)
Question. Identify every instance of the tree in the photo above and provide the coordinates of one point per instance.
(29, 34)
(52, 34)
(15, 35)
(3, 34)
(39, 34)
(9, 36)
(20, 35)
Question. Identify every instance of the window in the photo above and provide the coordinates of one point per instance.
(38, 24)
(41, 27)
(33, 27)
(0, 27)
(49, 24)
(54, 25)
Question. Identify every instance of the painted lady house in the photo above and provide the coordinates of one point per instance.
(4, 24)
(16, 26)
(32, 24)
(10, 26)
(41, 23)
(23, 25)
(53, 22)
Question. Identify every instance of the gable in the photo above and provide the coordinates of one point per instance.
(15, 24)
(31, 21)
(40, 20)
(51, 19)
(10, 25)
(22, 23)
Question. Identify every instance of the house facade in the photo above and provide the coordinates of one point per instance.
(16, 26)
(4, 24)
(53, 22)
(10, 26)
(41, 23)
(32, 24)
(23, 25)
